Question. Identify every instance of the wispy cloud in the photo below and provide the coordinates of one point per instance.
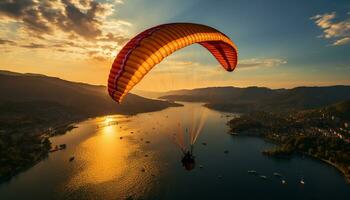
(10, 42)
(175, 66)
(339, 30)
(254, 63)
(63, 25)
(179, 66)
(34, 46)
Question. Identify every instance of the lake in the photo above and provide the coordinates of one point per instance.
(136, 157)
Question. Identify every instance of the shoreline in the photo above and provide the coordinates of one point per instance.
(339, 169)
(45, 151)
(334, 165)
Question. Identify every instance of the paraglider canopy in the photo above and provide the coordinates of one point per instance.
(151, 46)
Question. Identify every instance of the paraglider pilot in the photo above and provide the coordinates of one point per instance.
(188, 160)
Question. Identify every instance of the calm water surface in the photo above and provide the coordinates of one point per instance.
(107, 166)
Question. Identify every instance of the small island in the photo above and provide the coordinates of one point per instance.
(320, 133)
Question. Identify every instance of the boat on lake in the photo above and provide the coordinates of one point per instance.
(252, 172)
(277, 174)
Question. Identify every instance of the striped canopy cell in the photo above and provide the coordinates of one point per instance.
(151, 46)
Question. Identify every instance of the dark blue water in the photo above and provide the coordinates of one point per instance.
(108, 167)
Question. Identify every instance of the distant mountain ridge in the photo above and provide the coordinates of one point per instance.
(148, 94)
(10, 73)
(234, 99)
(84, 98)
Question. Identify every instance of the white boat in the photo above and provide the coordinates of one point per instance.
(284, 182)
(251, 171)
(302, 182)
(263, 177)
(277, 174)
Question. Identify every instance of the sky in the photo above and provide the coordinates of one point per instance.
(281, 44)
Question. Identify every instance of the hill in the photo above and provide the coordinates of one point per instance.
(86, 99)
(148, 94)
(232, 99)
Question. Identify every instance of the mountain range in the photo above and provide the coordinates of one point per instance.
(233, 99)
(85, 99)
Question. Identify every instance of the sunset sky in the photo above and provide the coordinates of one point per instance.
(281, 43)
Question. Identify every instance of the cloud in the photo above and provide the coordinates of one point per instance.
(45, 16)
(258, 63)
(78, 26)
(342, 41)
(9, 42)
(14, 8)
(119, 1)
(339, 30)
(180, 63)
(96, 55)
(179, 66)
(34, 46)
(119, 39)
(176, 66)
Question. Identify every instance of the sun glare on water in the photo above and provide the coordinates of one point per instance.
(108, 156)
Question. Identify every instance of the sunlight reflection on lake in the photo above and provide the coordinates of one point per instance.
(112, 156)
